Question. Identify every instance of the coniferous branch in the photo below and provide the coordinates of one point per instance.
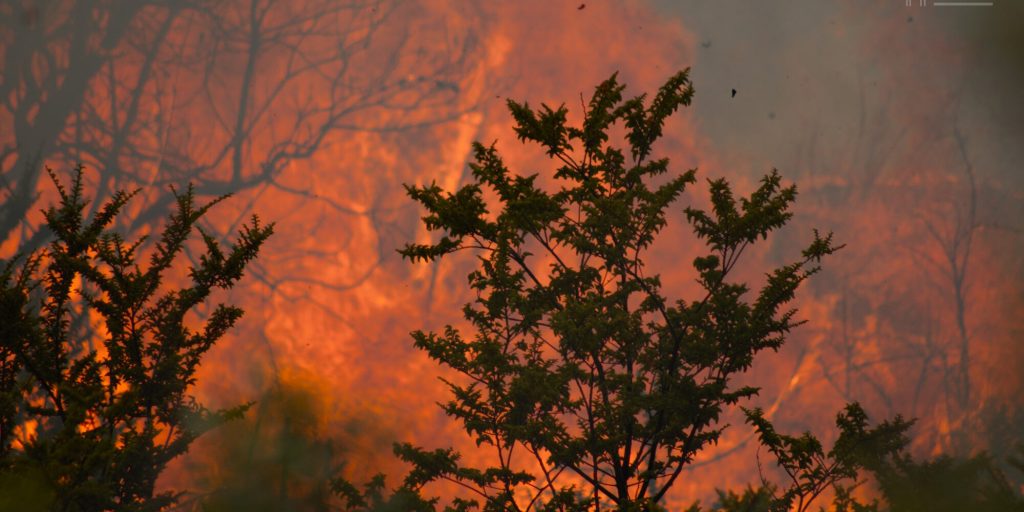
(94, 420)
(586, 362)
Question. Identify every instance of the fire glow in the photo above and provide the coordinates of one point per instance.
(314, 113)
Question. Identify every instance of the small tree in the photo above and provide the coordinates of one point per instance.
(592, 385)
(812, 471)
(91, 414)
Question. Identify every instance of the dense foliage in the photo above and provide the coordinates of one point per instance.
(594, 387)
(97, 356)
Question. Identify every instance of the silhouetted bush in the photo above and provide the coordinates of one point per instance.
(98, 352)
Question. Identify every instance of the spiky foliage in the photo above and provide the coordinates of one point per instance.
(594, 387)
(97, 355)
(901, 484)
(812, 471)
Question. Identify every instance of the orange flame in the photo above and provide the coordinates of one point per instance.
(329, 305)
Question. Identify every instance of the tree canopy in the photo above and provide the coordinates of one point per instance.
(98, 353)
(594, 386)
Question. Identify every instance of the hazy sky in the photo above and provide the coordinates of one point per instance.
(805, 68)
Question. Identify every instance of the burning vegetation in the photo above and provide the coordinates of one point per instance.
(315, 113)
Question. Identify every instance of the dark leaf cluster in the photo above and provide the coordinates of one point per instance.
(97, 355)
(812, 471)
(591, 384)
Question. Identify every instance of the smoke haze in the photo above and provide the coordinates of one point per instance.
(900, 125)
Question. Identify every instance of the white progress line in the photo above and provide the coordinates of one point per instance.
(962, 4)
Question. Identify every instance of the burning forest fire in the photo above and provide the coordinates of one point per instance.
(899, 125)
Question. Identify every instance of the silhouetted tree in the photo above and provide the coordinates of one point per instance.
(98, 352)
(594, 388)
(812, 471)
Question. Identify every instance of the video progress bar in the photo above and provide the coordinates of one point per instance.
(924, 3)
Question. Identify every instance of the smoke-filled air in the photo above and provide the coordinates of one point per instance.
(376, 255)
